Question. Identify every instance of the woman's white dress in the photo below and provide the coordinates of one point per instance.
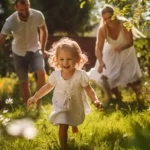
(121, 68)
(70, 103)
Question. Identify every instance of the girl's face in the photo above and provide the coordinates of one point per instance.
(66, 60)
(107, 17)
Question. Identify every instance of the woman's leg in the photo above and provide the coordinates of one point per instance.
(63, 136)
(117, 93)
(136, 87)
(118, 96)
(106, 91)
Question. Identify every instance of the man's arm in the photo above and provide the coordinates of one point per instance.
(2, 38)
(43, 39)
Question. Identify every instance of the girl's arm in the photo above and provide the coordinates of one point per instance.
(39, 94)
(92, 95)
(99, 47)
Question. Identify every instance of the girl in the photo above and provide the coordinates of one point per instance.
(69, 99)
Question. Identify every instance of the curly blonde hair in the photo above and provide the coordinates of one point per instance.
(69, 44)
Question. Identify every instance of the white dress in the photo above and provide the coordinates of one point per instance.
(121, 68)
(69, 100)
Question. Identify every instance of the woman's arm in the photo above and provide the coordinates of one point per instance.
(129, 38)
(99, 44)
(99, 47)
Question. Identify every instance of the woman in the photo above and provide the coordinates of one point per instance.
(116, 57)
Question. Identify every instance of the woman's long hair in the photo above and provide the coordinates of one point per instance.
(109, 9)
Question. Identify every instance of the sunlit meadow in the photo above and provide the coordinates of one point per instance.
(110, 129)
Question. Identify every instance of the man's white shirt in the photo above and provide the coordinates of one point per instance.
(25, 34)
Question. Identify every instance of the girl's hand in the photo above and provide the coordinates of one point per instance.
(31, 101)
(98, 104)
(101, 66)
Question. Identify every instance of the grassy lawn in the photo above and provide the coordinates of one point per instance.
(110, 129)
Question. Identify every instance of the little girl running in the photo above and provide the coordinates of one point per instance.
(69, 100)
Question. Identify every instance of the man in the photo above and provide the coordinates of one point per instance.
(28, 46)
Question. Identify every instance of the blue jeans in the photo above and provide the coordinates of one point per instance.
(22, 64)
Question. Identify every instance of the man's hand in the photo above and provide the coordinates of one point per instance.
(46, 54)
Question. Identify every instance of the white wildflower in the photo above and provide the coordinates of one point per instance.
(138, 54)
(9, 101)
(91, 134)
(148, 109)
(72, 138)
(5, 111)
(1, 118)
(145, 73)
(6, 121)
(125, 135)
(146, 68)
(29, 132)
(146, 83)
(22, 127)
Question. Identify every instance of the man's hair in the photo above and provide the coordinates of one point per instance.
(21, 2)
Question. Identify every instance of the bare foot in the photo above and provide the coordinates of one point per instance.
(74, 130)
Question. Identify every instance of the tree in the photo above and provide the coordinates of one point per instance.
(71, 16)
(136, 11)
(6, 9)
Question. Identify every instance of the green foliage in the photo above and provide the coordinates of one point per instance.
(6, 59)
(142, 47)
(123, 129)
(7, 86)
(10, 87)
(6, 8)
(69, 16)
(105, 130)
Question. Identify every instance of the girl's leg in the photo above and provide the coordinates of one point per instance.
(63, 136)
(74, 129)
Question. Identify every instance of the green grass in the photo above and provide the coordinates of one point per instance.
(111, 129)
